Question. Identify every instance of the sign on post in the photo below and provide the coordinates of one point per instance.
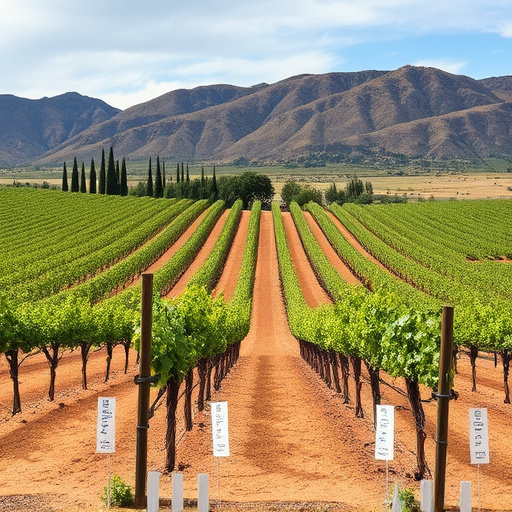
(106, 425)
(385, 432)
(479, 436)
(220, 433)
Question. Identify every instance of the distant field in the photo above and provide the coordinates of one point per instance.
(414, 184)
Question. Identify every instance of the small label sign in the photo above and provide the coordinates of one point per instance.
(220, 432)
(479, 436)
(106, 426)
(385, 432)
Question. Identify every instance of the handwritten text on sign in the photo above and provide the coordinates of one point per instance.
(479, 436)
(220, 429)
(106, 426)
(385, 432)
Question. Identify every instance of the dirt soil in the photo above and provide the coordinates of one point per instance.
(291, 438)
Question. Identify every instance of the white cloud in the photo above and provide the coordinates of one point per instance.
(505, 29)
(444, 64)
(127, 51)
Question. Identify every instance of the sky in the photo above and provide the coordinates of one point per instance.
(126, 52)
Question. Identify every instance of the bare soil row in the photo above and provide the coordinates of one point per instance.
(292, 439)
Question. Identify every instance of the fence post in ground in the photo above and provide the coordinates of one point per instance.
(177, 492)
(203, 501)
(153, 491)
(426, 496)
(465, 497)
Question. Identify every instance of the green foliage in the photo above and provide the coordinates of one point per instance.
(74, 177)
(102, 183)
(159, 188)
(333, 195)
(83, 185)
(364, 198)
(139, 190)
(408, 500)
(123, 185)
(117, 493)
(308, 194)
(92, 178)
(210, 271)
(354, 188)
(149, 183)
(410, 346)
(290, 189)
(111, 183)
(8, 332)
(248, 186)
(64, 186)
(185, 329)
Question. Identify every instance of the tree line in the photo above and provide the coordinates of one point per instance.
(248, 186)
(111, 180)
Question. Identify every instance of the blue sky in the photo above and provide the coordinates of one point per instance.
(127, 52)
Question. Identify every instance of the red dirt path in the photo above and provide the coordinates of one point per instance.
(291, 438)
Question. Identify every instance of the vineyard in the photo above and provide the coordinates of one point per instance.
(355, 291)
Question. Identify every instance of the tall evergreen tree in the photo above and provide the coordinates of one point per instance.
(92, 178)
(118, 179)
(182, 172)
(83, 186)
(103, 174)
(124, 180)
(65, 186)
(202, 175)
(159, 189)
(215, 191)
(188, 175)
(74, 177)
(177, 173)
(111, 187)
(149, 188)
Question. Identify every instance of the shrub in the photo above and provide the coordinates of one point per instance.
(120, 493)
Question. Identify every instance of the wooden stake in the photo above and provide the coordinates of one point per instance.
(141, 456)
(443, 400)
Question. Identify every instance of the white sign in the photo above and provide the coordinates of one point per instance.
(385, 432)
(220, 429)
(479, 436)
(106, 426)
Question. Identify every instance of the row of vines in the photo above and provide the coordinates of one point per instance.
(69, 281)
(397, 327)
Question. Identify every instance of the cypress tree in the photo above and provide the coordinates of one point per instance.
(149, 188)
(83, 186)
(182, 172)
(159, 190)
(188, 175)
(177, 173)
(202, 175)
(102, 183)
(111, 187)
(124, 180)
(118, 179)
(214, 183)
(74, 177)
(92, 178)
(64, 186)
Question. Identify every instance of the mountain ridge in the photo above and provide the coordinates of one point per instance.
(415, 111)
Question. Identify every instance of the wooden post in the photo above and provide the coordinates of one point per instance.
(443, 400)
(144, 382)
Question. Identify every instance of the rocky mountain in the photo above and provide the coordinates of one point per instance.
(414, 111)
(30, 128)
